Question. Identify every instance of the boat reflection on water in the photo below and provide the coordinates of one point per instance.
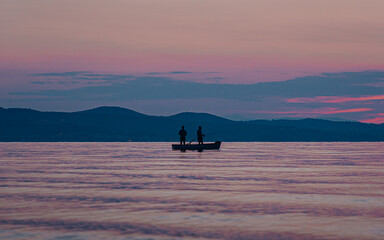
(197, 147)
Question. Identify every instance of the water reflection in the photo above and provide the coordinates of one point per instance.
(147, 191)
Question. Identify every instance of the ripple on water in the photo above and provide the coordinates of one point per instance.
(146, 191)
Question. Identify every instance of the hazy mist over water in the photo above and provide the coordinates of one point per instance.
(147, 191)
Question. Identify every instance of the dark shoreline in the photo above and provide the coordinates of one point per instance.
(113, 124)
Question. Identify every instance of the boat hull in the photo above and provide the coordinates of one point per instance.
(197, 147)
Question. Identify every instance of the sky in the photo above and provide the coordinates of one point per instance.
(78, 54)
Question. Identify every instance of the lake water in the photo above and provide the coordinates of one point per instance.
(143, 191)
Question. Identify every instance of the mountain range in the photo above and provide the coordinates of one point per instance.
(119, 125)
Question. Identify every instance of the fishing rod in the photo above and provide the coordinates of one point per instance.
(210, 133)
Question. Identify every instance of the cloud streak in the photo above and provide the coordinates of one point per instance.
(307, 96)
(321, 111)
(298, 89)
(78, 77)
(169, 73)
(334, 99)
(377, 119)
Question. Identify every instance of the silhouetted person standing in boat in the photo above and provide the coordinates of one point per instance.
(182, 134)
(200, 135)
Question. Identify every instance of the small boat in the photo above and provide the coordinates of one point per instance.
(198, 147)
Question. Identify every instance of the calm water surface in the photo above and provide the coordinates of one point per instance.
(145, 191)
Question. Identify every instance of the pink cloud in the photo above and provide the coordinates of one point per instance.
(334, 99)
(377, 120)
(319, 111)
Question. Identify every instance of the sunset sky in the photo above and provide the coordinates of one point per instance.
(77, 54)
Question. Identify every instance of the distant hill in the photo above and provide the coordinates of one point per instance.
(119, 124)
